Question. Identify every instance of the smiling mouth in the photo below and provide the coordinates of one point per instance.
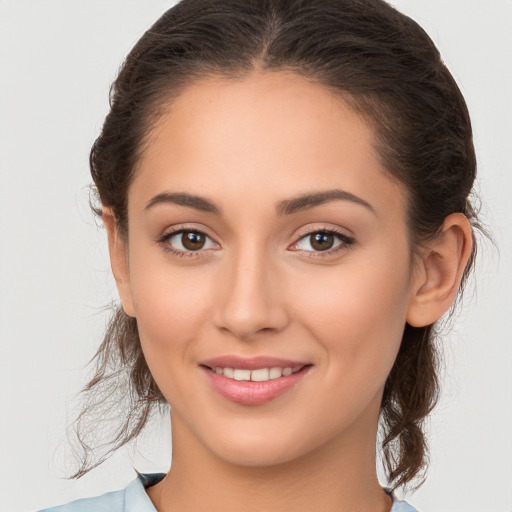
(254, 386)
(256, 375)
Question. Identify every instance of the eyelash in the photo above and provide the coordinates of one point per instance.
(163, 241)
(345, 242)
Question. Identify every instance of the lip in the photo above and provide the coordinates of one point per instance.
(251, 363)
(249, 392)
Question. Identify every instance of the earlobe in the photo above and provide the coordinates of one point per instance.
(118, 260)
(441, 266)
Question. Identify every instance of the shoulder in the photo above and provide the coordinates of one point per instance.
(401, 506)
(132, 498)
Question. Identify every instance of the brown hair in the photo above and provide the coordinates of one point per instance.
(388, 69)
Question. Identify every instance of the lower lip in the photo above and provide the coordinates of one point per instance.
(247, 392)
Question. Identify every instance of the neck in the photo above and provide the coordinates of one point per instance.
(336, 477)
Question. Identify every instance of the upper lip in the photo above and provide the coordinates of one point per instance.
(251, 363)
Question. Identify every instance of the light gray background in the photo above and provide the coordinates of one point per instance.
(58, 59)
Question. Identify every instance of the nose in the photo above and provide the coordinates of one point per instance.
(251, 296)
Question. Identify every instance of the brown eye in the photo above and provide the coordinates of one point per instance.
(193, 240)
(188, 241)
(321, 241)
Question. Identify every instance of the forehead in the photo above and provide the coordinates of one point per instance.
(269, 135)
(280, 111)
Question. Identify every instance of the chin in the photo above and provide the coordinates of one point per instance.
(256, 451)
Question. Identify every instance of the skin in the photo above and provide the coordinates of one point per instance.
(259, 288)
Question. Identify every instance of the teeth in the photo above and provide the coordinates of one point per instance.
(228, 372)
(275, 373)
(242, 374)
(258, 375)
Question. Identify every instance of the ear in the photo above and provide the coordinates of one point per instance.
(439, 271)
(118, 260)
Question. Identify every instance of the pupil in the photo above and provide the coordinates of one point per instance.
(192, 240)
(322, 241)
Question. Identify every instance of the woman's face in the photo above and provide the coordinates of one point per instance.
(264, 235)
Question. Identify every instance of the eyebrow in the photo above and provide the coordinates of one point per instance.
(307, 201)
(286, 207)
(182, 199)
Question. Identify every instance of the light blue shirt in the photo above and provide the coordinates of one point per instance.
(133, 498)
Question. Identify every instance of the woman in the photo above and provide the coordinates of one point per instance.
(285, 187)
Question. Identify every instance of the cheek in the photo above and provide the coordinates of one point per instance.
(357, 318)
(170, 310)
(170, 305)
(357, 312)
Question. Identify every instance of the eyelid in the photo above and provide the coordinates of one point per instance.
(346, 240)
(318, 227)
(176, 230)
